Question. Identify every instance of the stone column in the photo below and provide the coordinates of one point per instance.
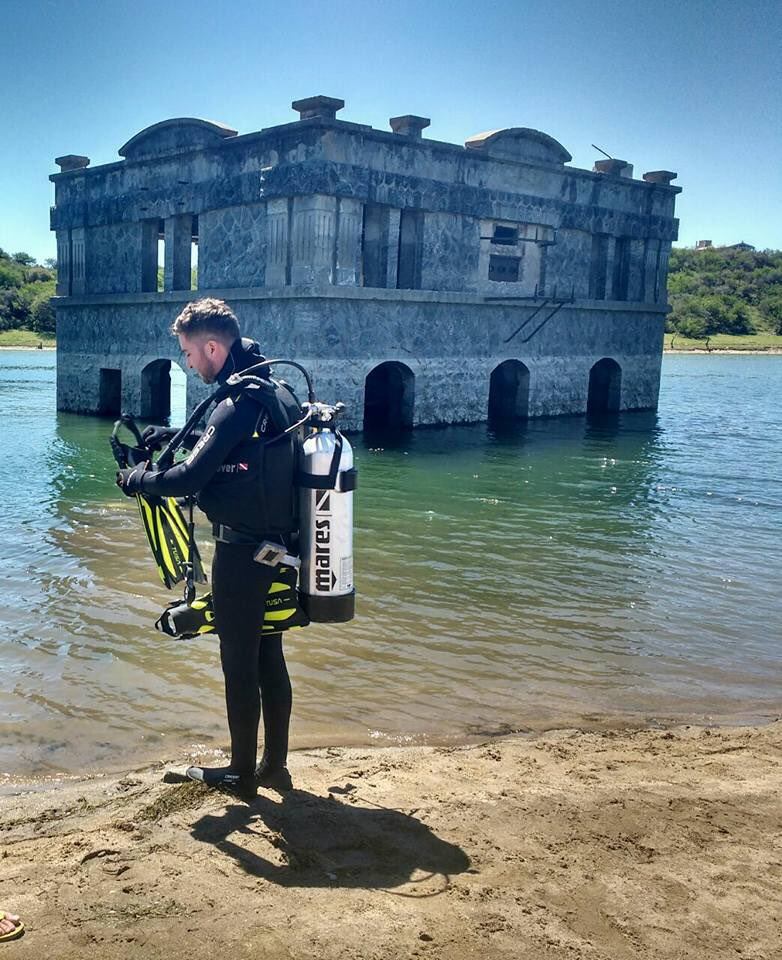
(662, 271)
(178, 240)
(277, 274)
(150, 232)
(314, 239)
(610, 256)
(348, 264)
(650, 269)
(637, 271)
(78, 272)
(63, 263)
(392, 273)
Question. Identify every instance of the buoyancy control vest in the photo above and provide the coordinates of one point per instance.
(294, 472)
(253, 491)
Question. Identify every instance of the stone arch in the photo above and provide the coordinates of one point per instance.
(605, 387)
(156, 391)
(509, 391)
(389, 397)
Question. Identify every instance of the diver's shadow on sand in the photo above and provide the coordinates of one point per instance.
(323, 842)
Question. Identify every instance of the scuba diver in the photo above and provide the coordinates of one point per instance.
(242, 471)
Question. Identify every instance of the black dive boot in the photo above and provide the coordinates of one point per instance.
(273, 778)
(223, 778)
(272, 771)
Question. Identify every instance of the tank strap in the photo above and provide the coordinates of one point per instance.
(327, 481)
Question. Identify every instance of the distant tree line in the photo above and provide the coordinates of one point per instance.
(25, 290)
(716, 290)
(719, 290)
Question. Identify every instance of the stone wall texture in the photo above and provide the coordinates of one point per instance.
(346, 247)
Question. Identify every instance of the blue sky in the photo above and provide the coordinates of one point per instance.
(691, 86)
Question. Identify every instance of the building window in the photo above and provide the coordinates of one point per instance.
(150, 232)
(411, 242)
(507, 236)
(374, 246)
(597, 270)
(110, 391)
(621, 268)
(504, 269)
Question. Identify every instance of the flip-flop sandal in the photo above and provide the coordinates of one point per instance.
(13, 934)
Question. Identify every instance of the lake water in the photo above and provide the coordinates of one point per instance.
(563, 573)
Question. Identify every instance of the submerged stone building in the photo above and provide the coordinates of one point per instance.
(421, 282)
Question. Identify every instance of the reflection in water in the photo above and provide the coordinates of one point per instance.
(514, 576)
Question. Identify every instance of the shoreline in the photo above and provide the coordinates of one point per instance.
(774, 351)
(214, 749)
(728, 351)
(567, 844)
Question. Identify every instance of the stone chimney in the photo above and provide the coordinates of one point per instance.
(409, 125)
(71, 162)
(323, 108)
(660, 176)
(614, 168)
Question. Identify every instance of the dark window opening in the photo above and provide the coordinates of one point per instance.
(504, 269)
(597, 269)
(374, 246)
(605, 387)
(389, 397)
(509, 392)
(110, 392)
(505, 235)
(156, 390)
(621, 268)
(411, 237)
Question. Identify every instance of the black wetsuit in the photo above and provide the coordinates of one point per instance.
(237, 482)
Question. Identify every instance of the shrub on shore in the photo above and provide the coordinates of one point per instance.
(722, 290)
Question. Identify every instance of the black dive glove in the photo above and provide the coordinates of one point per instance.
(129, 479)
(155, 437)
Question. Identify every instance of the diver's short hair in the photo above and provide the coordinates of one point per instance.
(208, 316)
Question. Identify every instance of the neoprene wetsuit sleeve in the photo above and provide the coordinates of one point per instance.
(229, 424)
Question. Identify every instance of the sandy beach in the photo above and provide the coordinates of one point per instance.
(613, 844)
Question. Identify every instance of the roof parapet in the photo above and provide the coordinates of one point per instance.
(178, 135)
(409, 125)
(660, 176)
(520, 144)
(71, 161)
(320, 107)
(613, 168)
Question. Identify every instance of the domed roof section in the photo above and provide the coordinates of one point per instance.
(521, 144)
(179, 135)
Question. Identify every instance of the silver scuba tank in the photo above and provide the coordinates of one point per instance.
(326, 481)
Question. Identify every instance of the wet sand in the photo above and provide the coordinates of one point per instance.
(612, 844)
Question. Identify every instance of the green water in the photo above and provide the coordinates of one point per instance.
(565, 572)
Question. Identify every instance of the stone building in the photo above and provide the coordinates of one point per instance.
(421, 282)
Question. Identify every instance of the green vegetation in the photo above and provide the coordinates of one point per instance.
(724, 291)
(723, 341)
(26, 338)
(25, 290)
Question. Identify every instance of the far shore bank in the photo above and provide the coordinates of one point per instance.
(726, 352)
(649, 844)
(667, 350)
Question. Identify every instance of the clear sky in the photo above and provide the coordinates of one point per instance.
(687, 85)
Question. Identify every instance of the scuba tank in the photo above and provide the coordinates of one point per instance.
(326, 481)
